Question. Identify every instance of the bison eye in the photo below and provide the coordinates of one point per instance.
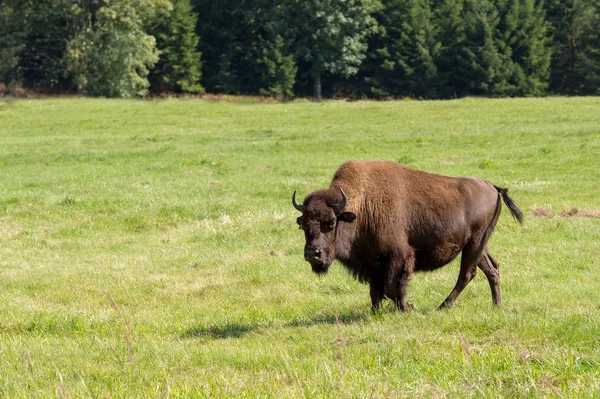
(299, 221)
(328, 226)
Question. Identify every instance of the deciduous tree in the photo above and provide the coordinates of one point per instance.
(331, 35)
(110, 53)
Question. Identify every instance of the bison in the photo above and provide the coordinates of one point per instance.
(383, 221)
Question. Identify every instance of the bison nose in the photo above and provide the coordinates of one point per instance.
(312, 254)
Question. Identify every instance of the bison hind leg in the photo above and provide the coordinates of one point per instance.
(490, 267)
(468, 270)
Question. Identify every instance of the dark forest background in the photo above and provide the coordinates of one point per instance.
(287, 48)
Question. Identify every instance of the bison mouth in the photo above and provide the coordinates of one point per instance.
(319, 267)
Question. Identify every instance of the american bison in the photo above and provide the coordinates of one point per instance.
(384, 221)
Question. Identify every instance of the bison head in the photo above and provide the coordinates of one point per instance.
(322, 212)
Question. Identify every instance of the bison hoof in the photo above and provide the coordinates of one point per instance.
(407, 306)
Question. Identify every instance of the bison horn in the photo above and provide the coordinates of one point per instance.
(298, 206)
(340, 207)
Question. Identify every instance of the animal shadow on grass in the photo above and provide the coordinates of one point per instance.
(236, 329)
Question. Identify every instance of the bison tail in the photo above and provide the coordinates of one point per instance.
(512, 206)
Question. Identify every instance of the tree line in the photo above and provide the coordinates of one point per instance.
(286, 48)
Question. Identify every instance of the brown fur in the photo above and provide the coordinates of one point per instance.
(399, 220)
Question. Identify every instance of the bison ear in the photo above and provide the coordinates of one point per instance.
(347, 217)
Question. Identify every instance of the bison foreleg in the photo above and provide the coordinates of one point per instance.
(400, 271)
(377, 285)
(377, 294)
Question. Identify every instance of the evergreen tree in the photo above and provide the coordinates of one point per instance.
(523, 39)
(216, 29)
(246, 46)
(33, 39)
(179, 67)
(280, 69)
(427, 46)
(575, 67)
(534, 52)
(12, 42)
(402, 51)
(591, 58)
(469, 62)
(506, 40)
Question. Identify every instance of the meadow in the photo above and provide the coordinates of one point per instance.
(149, 249)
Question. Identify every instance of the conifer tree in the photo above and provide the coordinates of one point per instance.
(246, 46)
(523, 40)
(11, 44)
(575, 67)
(402, 51)
(33, 40)
(277, 67)
(280, 69)
(179, 67)
(469, 62)
(427, 46)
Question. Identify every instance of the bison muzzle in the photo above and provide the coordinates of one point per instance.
(384, 221)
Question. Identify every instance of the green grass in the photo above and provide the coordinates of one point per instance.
(149, 249)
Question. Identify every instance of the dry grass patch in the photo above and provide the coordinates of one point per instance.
(573, 212)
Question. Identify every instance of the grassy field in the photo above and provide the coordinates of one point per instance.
(149, 249)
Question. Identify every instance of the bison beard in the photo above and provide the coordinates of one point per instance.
(384, 221)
